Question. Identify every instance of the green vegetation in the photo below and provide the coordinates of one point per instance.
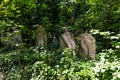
(26, 62)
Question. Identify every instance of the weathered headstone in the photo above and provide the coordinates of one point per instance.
(2, 76)
(67, 41)
(41, 37)
(87, 45)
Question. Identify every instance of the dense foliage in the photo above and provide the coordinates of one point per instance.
(39, 64)
(27, 62)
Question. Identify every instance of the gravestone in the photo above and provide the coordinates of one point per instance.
(87, 46)
(67, 41)
(41, 37)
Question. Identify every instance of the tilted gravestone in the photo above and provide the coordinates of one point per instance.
(87, 46)
(67, 41)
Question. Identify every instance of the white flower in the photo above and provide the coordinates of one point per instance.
(94, 31)
(114, 37)
(117, 46)
(105, 33)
